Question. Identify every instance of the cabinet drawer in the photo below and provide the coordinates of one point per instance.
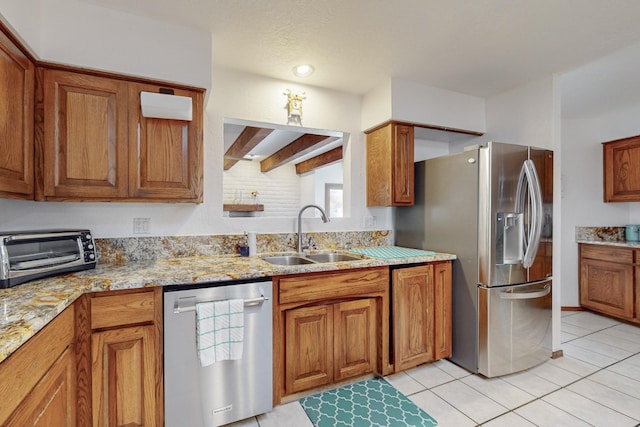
(118, 310)
(607, 253)
(332, 285)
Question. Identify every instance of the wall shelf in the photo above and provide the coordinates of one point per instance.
(243, 207)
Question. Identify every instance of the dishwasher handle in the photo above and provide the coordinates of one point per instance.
(186, 304)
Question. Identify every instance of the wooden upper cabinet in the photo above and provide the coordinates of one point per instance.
(165, 156)
(390, 166)
(622, 170)
(17, 86)
(85, 136)
(97, 146)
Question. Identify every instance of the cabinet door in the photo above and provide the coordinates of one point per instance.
(390, 156)
(413, 316)
(622, 170)
(123, 377)
(52, 402)
(165, 155)
(442, 299)
(354, 331)
(17, 86)
(309, 347)
(85, 136)
(403, 165)
(607, 287)
(379, 166)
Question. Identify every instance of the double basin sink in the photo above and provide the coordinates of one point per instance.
(302, 259)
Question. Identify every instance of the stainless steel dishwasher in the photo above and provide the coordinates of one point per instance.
(228, 390)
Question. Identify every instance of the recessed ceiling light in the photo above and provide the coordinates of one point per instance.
(303, 70)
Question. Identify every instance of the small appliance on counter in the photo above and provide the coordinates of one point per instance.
(632, 233)
(30, 255)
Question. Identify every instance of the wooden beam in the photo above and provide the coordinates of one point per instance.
(323, 159)
(296, 149)
(246, 141)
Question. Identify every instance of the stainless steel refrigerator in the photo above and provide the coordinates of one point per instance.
(491, 206)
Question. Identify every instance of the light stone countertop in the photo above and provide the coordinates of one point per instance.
(27, 308)
(623, 244)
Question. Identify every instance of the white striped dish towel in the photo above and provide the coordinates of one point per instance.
(220, 330)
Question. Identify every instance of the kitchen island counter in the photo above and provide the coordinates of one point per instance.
(27, 308)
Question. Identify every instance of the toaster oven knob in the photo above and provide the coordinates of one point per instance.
(90, 246)
(91, 256)
(88, 236)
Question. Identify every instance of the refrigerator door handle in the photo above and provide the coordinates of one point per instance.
(526, 295)
(529, 180)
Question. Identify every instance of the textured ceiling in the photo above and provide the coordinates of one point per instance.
(479, 47)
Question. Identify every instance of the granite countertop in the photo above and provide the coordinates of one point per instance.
(27, 308)
(608, 236)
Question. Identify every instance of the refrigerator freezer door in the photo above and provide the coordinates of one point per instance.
(514, 327)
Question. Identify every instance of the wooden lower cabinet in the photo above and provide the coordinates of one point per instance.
(330, 343)
(123, 383)
(125, 359)
(53, 401)
(329, 327)
(354, 338)
(38, 381)
(421, 314)
(309, 345)
(607, 282)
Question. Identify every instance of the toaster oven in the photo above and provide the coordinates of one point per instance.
(29, 255)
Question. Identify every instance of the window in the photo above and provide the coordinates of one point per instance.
(333, 200)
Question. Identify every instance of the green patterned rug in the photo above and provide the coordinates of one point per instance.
(367, 403)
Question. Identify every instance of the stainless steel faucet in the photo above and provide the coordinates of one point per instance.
(325, 219)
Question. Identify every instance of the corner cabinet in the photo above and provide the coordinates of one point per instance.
(329, 327)
(610, 280)
(96, 146)
(622, 170)
(390, 166)
(421, 314)
(17, 86)
(38, 381)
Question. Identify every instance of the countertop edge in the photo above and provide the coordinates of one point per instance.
(28, 308)
(625, 244)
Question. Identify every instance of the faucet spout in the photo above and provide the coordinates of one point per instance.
(325, 219)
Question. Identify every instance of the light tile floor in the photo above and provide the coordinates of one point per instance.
(596, 383)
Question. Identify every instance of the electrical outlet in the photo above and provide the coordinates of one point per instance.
(369, 221)
(141, 225)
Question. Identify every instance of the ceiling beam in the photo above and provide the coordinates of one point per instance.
(296, 149)
(323, 159)
(244, 143)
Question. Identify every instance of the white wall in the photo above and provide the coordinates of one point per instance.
(251, 97)
(87, 35)
(582, 188)
(79, 33)
(24, 18)
(407, 101)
